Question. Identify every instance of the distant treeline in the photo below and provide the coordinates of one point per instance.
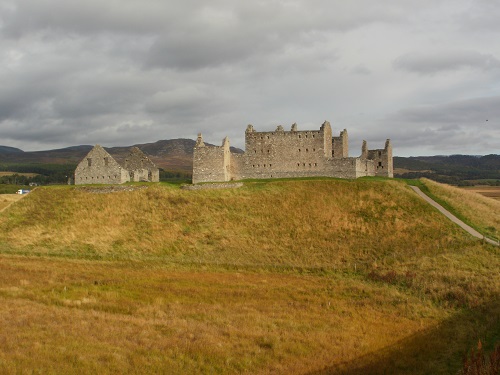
(46, 173)
(174, 175)
(454, 169)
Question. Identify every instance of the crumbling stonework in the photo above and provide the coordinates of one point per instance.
(99, 167)
(140, 167)
(291, 153)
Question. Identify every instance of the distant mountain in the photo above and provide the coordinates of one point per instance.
(453, 169)
(68, 155)
(172, 154)
(9, 150)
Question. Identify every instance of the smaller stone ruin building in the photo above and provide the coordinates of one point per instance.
(294, 153)
(99, 167)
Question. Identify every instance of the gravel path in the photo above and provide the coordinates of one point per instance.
(453, 218)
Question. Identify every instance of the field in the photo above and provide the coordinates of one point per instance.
(487, 191)
(321, 276)
(7, 199)
(6, 173)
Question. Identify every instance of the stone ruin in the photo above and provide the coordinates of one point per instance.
(294, 153)
(99, 167)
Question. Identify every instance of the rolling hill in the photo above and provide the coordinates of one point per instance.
(453, 169)
(9, 150)
(298, 276)
(173, 154)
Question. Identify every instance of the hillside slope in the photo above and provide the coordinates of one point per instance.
(316, 276)
(9, 150)
(322, 223)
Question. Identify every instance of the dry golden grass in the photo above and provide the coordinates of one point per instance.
(487, 191)
(334, 224)
(7, 199)
(281, 277)
(66, 316)
(480, 210)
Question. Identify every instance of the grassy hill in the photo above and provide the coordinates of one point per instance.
(323, 275)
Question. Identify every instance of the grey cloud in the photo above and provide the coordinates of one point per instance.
(445, 60)
(360, 70)
(198, 51)
(151, 16)
(464, 112)
(182, 99)
(123, 72)
(189, 35)
(86, 17)
(466, 126)
(480, 16)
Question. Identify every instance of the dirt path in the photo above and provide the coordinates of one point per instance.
(453, 218)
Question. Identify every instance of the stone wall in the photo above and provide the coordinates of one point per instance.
(282, 154)
(211, 163)
(382, 158)
(140, 167)
(99, 167)
(285, 153)
(340, 145)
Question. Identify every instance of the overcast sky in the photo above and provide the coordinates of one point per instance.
(119, 72)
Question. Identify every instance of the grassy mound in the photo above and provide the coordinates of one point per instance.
(292, 223)
(331, 276)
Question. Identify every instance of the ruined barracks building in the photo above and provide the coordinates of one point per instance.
(99, 167)
(289, 154)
